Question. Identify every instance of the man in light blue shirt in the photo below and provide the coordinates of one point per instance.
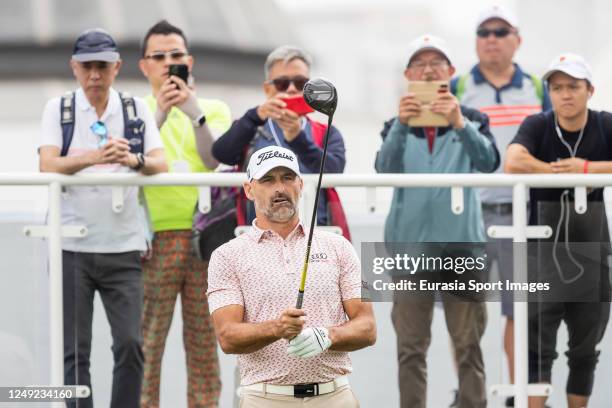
(424, 215)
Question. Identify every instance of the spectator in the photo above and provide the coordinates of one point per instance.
(287, 69)
(499, 88)
(187, 124)
(91, 137)
(424, 215)
(253, 283)
(569, 139)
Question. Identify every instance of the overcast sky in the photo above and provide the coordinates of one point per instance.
(447, 12)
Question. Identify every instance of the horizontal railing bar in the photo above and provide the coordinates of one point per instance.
(329, 180)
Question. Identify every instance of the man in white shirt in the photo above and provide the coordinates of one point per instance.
(85, 132)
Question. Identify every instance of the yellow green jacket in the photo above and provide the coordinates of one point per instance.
(171, 208)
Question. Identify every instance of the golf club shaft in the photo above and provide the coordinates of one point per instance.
(313, 220)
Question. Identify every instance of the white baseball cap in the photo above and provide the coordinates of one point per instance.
(268, 158)
(499, 12)
(571, 64)
(427, 42)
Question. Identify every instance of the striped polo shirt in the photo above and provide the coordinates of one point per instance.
(506, 108)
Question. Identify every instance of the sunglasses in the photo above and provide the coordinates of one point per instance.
(99, 129)
(282, 83)
(161, 56)
(497, 32)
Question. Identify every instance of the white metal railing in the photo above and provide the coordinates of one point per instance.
(518, 232)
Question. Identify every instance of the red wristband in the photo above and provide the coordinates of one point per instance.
(585, 167)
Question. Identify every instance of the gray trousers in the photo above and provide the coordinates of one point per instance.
(118, 279)
(466, 322)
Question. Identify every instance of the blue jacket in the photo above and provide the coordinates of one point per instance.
(424, 214)
(250, 133)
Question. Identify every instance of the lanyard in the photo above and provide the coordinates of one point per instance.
(564, 216)
(575, 149)
(430, 134)
(273, 130)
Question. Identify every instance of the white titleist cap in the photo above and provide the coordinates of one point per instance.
(571, 64)
(499, 12)
(268, 158)
(427, 42)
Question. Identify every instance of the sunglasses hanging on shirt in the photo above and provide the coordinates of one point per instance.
(99, 129)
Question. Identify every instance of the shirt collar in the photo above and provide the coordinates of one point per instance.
(258, 234)
(515, 82)
(111, 109)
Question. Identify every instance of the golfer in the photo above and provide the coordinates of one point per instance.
(288, 355)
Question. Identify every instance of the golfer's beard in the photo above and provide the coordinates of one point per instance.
(279, 214)
(282, 214)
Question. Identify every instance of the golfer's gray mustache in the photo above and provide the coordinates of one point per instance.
(281, 196)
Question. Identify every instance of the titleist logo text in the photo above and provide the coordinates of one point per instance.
(268, 155)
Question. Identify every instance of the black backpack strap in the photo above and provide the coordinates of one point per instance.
(134, 127)
(67, 121)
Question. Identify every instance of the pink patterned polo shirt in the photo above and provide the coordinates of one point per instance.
(261, 272)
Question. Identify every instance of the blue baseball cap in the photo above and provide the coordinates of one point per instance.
(95, 45)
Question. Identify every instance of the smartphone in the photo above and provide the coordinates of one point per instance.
(298, 105)
(426, 92)
(179, 70)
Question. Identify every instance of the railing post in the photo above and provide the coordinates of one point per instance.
(519, 221)
(55, 285)
(308, 197)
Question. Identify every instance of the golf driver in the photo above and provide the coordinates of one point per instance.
(321, 96)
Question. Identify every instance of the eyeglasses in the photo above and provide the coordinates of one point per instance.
(436, 64)
(99, 129)
(161, 56)
(282, 83)
(497, 32)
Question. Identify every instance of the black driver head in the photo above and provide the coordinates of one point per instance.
(321, 96)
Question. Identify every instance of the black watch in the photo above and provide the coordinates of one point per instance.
(199, 122)
(141, 161)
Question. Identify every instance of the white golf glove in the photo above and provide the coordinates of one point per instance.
(309, 343)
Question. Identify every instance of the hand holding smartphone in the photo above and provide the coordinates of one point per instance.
(179, 70)
(426, 92)
(298, 105)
